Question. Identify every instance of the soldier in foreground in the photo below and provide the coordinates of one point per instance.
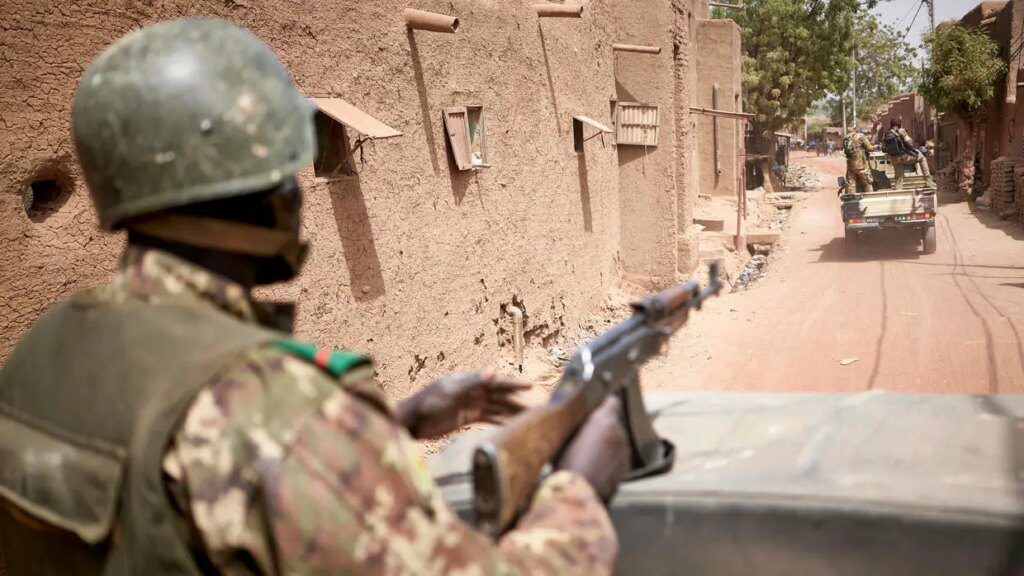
(159, 425)
(856, 147)
(902, 153)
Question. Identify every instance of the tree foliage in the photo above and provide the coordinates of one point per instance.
(885, 68)
(794, 52)
(965, 66)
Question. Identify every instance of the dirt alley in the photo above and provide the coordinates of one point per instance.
(948, 322)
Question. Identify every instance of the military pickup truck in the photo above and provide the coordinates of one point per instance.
(911, 209)
(792, 484)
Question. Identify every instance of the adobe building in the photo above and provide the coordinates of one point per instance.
(833, 134)
(995, 18)
(914, 114)
(720, 88)
(481, 172)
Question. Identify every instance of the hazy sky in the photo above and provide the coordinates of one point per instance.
(900, 13)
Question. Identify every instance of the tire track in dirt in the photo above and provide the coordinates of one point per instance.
(990, 352)
(885, 328)
(971, 278)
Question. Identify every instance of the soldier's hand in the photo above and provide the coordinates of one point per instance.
(599, 451)
(459, 399)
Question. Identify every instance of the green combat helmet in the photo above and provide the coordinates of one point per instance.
(186, 112)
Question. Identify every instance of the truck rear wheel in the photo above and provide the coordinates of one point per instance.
(852, 244)
(930, 240)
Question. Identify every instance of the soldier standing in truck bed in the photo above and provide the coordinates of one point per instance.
(157, 426)
(902, 153)
(856, 147)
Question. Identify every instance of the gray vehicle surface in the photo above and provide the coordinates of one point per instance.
(911, 209)
(805, 484)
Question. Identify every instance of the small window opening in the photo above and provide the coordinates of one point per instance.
(477, 136)
(467, 136)
(333, 153)
(45, 194)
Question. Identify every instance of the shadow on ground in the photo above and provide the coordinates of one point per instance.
(874, 245)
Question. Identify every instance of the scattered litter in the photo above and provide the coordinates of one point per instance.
(985, 200)
(557, 355)
(754, 270)
(801, 177)
(848, 361)
(780, 219)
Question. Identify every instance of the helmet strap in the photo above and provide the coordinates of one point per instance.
(222, 235)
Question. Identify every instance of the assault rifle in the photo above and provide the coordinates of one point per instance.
(506, 468)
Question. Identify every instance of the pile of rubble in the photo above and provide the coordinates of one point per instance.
(753, 271)
(801, 177)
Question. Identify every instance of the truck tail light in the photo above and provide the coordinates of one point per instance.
(922, 216)
(855, 220)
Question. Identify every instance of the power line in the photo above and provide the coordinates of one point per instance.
(899, 23)
(920, 4)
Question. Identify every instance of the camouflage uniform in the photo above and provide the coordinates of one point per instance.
(856, 163)
(901, 161)
(281, 470)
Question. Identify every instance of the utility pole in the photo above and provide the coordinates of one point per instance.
(931, 62)
(845, 125)
(854, 85)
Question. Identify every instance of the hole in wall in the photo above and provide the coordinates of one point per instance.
(47, 191)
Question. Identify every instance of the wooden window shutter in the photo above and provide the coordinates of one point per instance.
(456, 125)
(636, 124)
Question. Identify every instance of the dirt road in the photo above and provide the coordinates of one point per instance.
(952, 321)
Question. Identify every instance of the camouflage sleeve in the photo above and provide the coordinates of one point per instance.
(286, 473)
(906, 137)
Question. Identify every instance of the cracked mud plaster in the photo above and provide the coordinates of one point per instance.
(403, 242)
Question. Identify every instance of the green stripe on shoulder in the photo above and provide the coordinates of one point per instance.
(334, 362)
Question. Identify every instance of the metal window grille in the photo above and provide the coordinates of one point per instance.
(636, 124)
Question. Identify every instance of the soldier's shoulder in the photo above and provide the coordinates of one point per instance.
(281, 383)
(264, 386)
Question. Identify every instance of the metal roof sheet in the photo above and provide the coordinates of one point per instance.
(593, 123)
(355, 118)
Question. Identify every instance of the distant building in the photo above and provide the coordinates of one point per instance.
(913, 113)
(833, 134)
(997, 134)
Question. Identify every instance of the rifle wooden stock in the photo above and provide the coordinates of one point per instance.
(678, 296)
(506, 469)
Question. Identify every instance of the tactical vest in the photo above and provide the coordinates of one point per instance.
(89, 402)
(893, 143)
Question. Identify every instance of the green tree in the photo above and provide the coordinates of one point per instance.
(794, 52)
(885, 68)
(966, 64)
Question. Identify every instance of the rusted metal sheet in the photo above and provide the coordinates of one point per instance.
(456, 125)
(355, 118)
(636, 124)
(430, 21)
